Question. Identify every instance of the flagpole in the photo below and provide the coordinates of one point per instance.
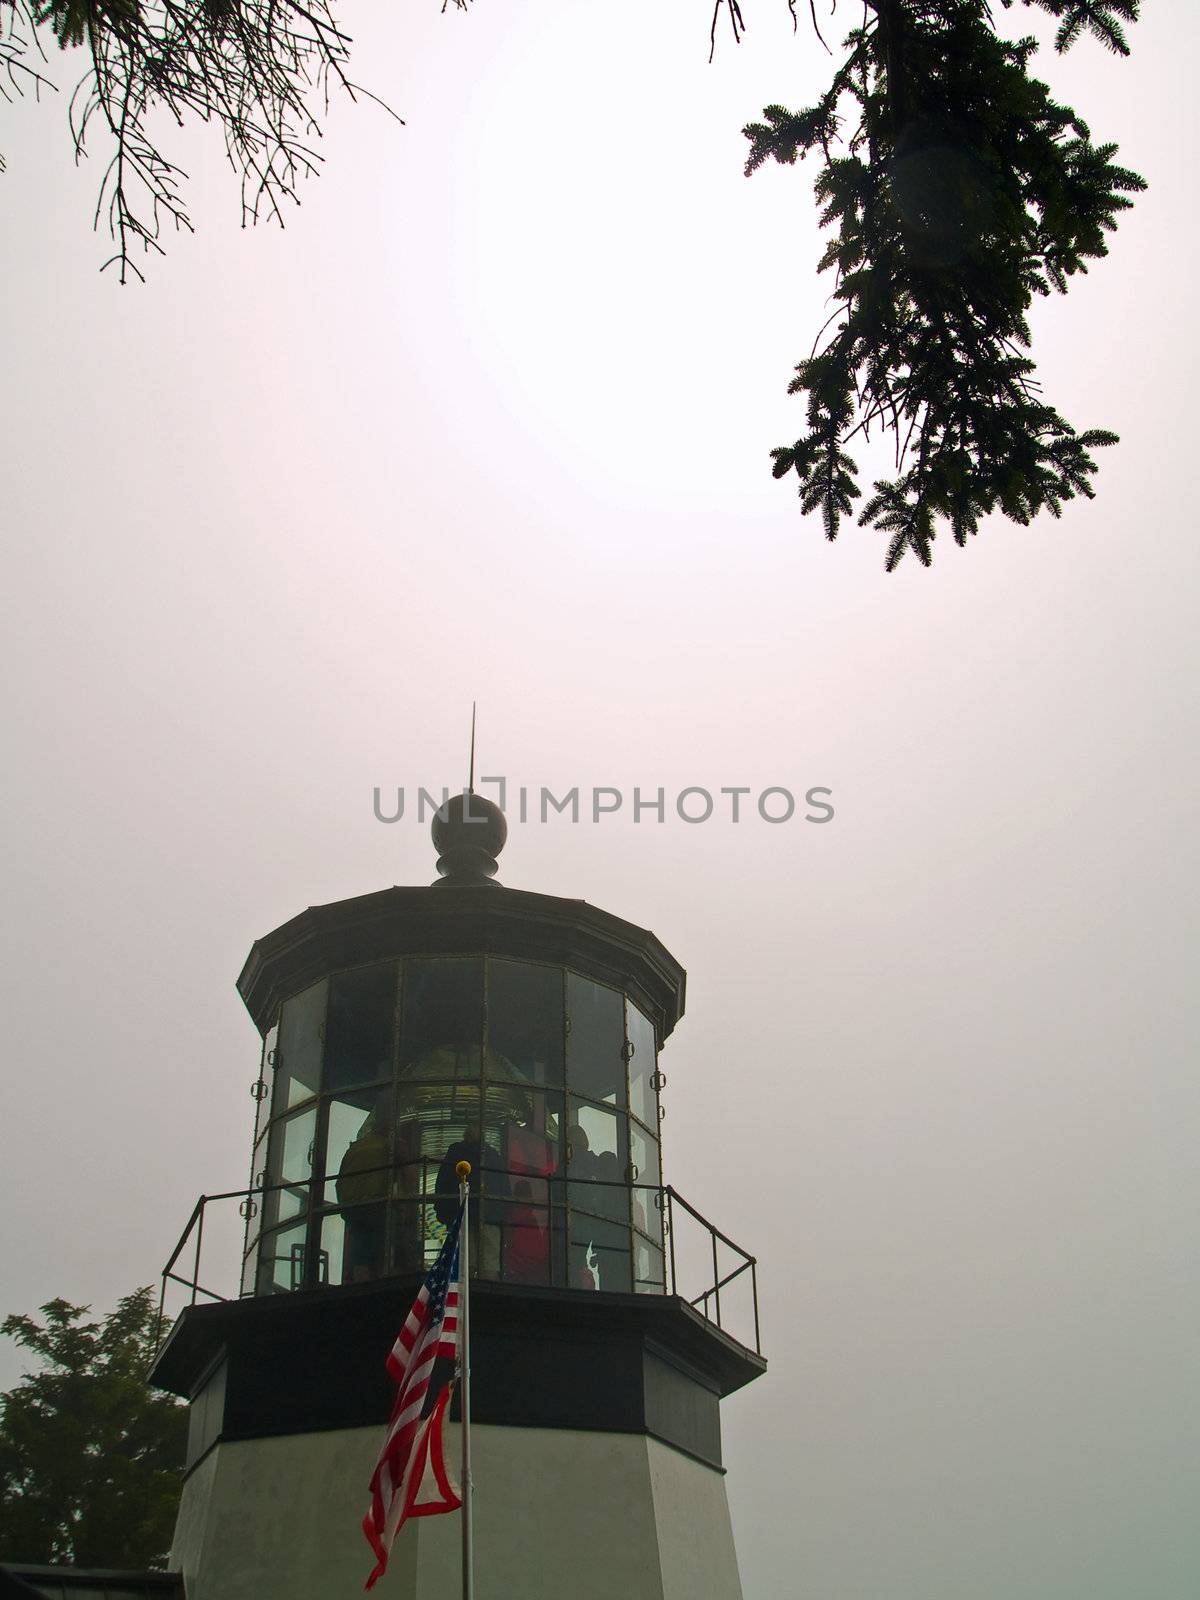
(463, 1170)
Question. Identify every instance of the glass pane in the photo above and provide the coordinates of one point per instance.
(352, 1244)
(443, 1019)
(281, 1260)
(358, 1146)
(258, 1167)
(359, 1031)
(298, 1056)
(647, 1205)
(648, 1269)
(643, 1099)
(531, 1147)
(597, 1160)
(410, 1221)
(643, 1153)
(265, 1078)
(251, 1209)
(595, 1040)
(525, 1022)
(415, 1117)
(429, 1117)
(434, 1122)
(526, 1244)
(483, 1144)
(604, 1140)
(599, 1255)
(514, 1140)
(290, 1162)
(371, 1156)
(249, 1269)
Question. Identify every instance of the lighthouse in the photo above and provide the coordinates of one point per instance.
(403, 1031)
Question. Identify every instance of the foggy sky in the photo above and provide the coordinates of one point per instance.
(490, 420)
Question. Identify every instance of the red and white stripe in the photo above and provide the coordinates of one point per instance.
(411, 1444)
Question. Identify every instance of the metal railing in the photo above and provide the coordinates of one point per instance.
(724, 1292)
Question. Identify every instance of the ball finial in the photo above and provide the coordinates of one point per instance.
(463, 1169)
(468, 833)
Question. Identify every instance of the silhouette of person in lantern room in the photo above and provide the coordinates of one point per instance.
(487, 1177)
(362, 1185)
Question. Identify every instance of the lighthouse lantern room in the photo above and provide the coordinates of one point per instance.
(403, 1032)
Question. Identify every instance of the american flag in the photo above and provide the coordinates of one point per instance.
(414, 1442)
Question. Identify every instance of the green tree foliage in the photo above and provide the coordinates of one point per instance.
(956, 187)
(957, 190)
(260, 69)
(91, 1458)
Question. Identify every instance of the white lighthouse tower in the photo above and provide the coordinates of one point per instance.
(399, 1030)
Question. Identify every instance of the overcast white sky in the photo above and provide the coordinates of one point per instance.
(491, 419)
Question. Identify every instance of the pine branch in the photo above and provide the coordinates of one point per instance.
(263, 70)
(962, 190)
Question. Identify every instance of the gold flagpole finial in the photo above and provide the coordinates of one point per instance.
(463, 1170)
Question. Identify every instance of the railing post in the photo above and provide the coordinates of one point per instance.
(716, 1276)
(196, 1262)
(669, 1212)
(162, 1300)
